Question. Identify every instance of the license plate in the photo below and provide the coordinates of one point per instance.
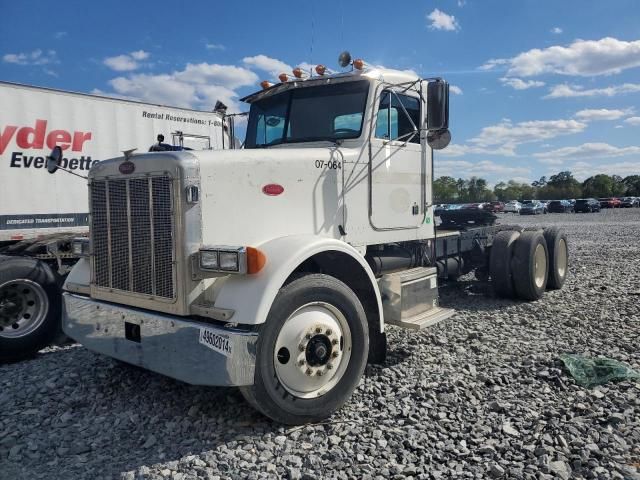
(215, 341)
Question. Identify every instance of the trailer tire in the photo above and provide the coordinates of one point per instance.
(500, 263)
(316, 324)
(558, 257)
(30, 307)
(529, 265)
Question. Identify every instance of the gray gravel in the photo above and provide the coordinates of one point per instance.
(478, 396)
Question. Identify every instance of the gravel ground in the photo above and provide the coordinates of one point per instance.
(478, 396)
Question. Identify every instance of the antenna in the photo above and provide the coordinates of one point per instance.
(312, 35)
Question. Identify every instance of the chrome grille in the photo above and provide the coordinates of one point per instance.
(133, 238)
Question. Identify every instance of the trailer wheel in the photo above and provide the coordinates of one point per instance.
(311, 351)
(558, 257)
(500, 263)
(529, 265)
(30, 306)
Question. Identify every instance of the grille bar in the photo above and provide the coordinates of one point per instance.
(133, 235)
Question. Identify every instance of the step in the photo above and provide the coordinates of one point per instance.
(423, 320)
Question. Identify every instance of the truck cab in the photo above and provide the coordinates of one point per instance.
(274, 267)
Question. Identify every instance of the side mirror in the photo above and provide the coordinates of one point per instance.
(53, 160)
(437, 105)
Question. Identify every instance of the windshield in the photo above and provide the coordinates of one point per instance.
(325, 112)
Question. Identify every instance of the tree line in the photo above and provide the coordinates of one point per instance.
(563, 185)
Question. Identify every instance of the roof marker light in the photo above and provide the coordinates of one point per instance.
(297, 72)
(283, 77)
(320, 69)
(358, 64)
(265, 84)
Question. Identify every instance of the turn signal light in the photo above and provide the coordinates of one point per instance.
(265, 84)
(320, 69)
(255, 260)
(358, 64)
(283, 77)
(297, 72)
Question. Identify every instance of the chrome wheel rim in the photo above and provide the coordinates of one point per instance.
(23, 307)
(562, 258)
(540, 266)
(312, 350)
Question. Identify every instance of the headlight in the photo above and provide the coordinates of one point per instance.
(209, 259)
(228, 260)
(80, 247)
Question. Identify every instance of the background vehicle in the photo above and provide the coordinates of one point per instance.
(609, 202)
(629, 202)
(265, 282)
(587, 205)
(559, 206)
(532, 207)
(513, 206)
(40, 213)
(495, 207)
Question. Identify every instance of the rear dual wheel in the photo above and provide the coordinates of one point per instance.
(523, 265)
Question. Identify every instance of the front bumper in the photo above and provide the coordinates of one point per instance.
(194, 352)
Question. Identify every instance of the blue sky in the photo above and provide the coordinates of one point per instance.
(542, 86)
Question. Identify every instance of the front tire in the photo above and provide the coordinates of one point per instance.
(30, 307)
(311, 351)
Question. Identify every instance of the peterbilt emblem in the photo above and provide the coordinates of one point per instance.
(126, 167)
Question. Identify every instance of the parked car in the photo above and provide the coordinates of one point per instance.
(513, 206)
(473, 206)
(609, 202)
(587, 205)
(532, 207)
(629, 202)
(495, 207)
(559, 206)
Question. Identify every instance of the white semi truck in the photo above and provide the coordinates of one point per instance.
(275, 268)
(40, 214)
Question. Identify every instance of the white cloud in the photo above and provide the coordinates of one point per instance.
(462, 3)
(126, 62)
(442, 21)
(484, 168)
(572, 91)
(584, 170)
(591, 150)
(551, 161)
(556, 30)
(590, 115)
(455, 89)
(196, 86)
(503, 138)
(36, 57)
(59, 35)
(215, 46)
(581, 58)
(509, 135)
(635, 121)
(519, 84)
(270, 65)
(139, 55)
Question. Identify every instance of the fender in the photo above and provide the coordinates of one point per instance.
(79, 278)
(251, 296)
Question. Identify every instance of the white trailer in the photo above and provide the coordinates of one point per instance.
(40, 213)
(275, 268)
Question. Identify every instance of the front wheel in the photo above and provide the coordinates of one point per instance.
(30, 306)
(311, 351)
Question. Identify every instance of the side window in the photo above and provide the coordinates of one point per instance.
(349, 123)
(270, 128)
(393, 123)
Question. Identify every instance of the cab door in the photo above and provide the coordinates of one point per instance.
(397, 173)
